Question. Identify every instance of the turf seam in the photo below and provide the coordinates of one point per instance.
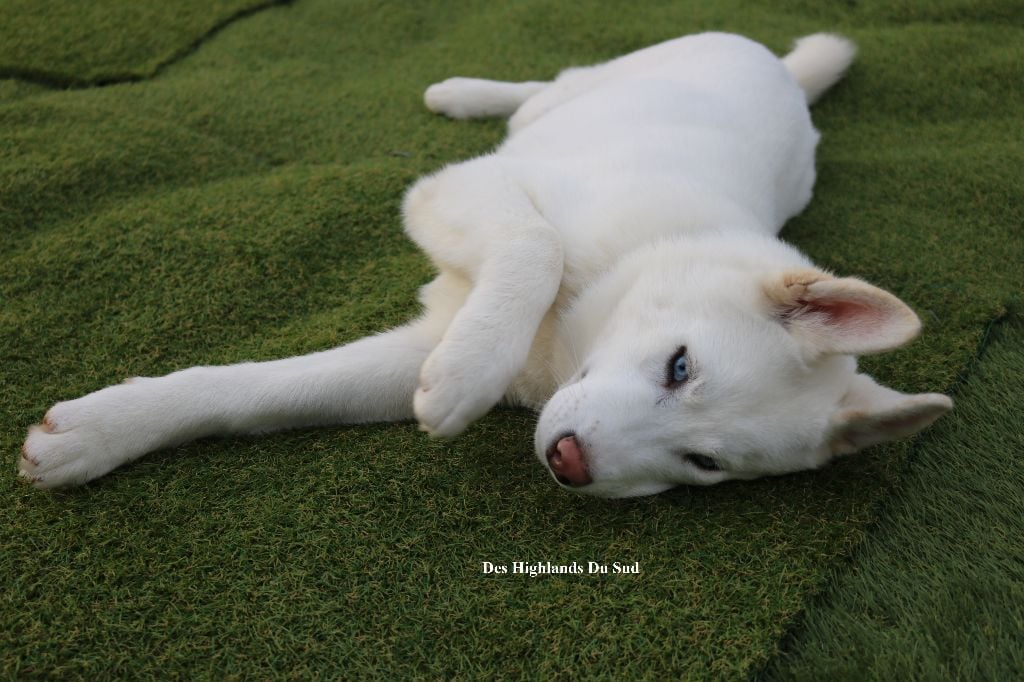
(846, 559)
(57, 81)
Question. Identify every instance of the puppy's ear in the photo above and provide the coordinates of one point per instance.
(870, 413)
(839, 315)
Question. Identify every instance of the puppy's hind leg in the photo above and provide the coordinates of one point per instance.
(370, 380)
(478, 98)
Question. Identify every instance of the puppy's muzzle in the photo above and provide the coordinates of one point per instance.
(567, 461)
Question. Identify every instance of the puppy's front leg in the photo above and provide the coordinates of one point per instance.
(369, 380)
(475, 219)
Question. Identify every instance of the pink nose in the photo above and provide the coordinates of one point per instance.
(565, 457)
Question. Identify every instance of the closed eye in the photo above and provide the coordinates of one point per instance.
(703, 462)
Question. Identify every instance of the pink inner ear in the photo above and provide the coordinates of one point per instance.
(842, 315)
(839, 313)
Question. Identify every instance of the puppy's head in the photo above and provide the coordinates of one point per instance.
(692, 368)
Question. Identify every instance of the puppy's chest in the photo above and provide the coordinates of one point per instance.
(549, 364)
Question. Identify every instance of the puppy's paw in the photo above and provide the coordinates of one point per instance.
(454, 97)
(79, 440)
(453, 393)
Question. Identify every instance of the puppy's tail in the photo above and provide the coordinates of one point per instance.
(818, 61)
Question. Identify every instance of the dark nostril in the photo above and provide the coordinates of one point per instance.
(568, 462)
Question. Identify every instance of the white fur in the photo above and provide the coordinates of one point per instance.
(631, 211)
(818, 62)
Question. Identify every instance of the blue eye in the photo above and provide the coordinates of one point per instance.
(677, 369)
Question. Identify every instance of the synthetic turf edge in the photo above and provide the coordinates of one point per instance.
(937, 589)
(43, 42)
(243, 205)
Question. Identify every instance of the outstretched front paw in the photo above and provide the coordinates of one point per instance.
(79, 440)
(57, 453)
(454, 391)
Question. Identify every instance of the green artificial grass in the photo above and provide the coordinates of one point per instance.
(104, 41)
(243, 204)
(938, 590)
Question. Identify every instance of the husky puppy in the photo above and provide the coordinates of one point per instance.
(613, 264)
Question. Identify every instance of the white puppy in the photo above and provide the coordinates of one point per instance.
(614, 262)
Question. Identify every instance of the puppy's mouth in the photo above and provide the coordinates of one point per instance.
(567, 461)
